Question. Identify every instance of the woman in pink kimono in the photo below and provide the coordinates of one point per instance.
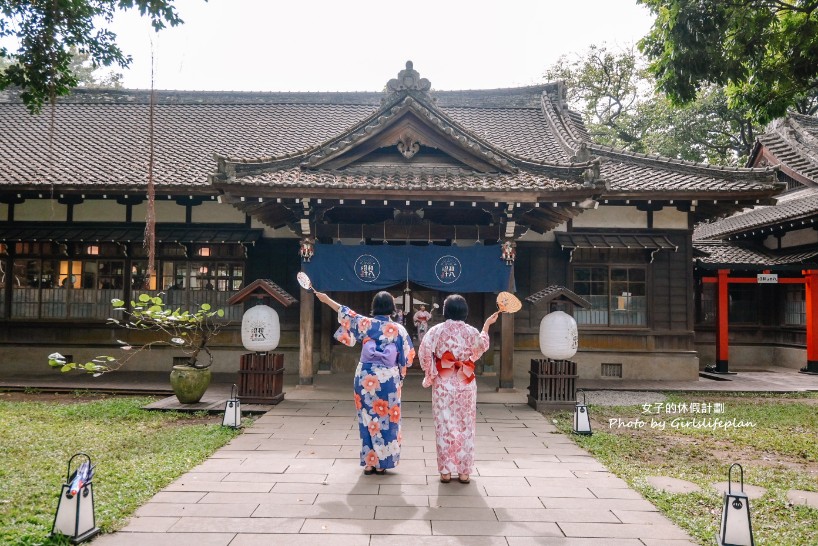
(447, 355)
(421, 319)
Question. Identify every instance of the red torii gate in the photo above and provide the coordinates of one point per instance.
(723, 279)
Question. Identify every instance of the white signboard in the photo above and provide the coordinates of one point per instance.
(767, 278)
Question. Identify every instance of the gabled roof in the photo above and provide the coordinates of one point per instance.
(793, 142)
(556, 291)
(409, 144)
(261, 288)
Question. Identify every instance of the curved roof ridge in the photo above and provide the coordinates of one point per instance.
(569, 142)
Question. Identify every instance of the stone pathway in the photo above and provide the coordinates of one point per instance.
(293, 478)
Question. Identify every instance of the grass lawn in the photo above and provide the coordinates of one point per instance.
(136, 453)
(779, 451)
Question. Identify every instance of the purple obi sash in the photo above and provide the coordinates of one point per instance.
(387, 357)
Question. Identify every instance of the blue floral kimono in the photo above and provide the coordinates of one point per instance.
(386, 352)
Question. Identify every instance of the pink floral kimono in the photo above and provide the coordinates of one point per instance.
(447, 355)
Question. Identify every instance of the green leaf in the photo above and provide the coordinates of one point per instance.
(220, 313)
(117, 302)
(205, 307)
(144, 298)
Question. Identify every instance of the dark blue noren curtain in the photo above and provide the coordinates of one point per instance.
(362, 268)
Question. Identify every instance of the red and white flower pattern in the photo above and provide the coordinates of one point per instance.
(454, 401)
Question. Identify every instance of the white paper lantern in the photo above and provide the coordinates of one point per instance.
(260, 329)
(558, 336)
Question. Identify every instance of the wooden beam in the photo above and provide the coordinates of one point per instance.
(506, 352)
(325, 360)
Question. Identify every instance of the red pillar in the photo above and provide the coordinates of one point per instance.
(722, 313)
(811, 283)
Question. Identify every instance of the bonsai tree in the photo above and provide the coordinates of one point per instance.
(185, 330)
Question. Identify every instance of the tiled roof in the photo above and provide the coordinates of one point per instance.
(630, 175)
(101, 138)
(107, 145)
(792, 207)
(734, 253)
(639, 174)
(420, 179)
(793, 141)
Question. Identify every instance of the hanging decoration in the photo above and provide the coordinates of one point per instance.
(508, 253)
(306, 250)
(558, 336)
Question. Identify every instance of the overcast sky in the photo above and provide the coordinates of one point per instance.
(317, 45)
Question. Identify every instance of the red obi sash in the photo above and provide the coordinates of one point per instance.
(447, 366)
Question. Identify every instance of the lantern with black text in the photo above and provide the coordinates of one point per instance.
(260, 329)
(582, 419)
(736, 529)
(232, 410)
(558, 335)
(75, 509)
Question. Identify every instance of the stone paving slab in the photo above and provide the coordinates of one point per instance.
(296, 482)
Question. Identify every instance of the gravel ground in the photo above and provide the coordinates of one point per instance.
(621, 398)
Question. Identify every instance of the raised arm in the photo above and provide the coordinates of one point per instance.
(323, 298)
(489, 321)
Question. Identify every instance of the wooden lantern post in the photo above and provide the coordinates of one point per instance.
(261, 375)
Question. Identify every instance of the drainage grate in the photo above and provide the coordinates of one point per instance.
(611, 370)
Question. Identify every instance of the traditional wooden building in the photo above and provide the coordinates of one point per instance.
(470, 191)
(757, 271)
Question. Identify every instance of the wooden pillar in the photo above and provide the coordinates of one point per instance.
(325, 359)
(307, 326)
(487, 360)
(811, 294)
(722, 315)
(506, 351)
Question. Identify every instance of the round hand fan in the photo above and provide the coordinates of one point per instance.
(304, 280)
(508, 302)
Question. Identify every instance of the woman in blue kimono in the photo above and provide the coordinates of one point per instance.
(386, 352)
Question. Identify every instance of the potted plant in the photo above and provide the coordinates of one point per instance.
(189, 331)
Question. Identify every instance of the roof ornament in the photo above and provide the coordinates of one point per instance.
(582, 155)
(408, 80)
(408, 145)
